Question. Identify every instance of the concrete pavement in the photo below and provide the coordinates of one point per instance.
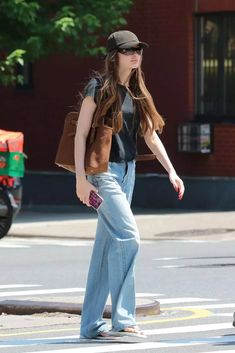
(80, 223)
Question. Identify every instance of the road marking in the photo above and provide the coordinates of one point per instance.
(194, 258)
(41, 292)
(214, 306)
(197, 266)
(145, 295)
(195, 241)
(49, 241)
(181, 240)
(19, 242)
(77, 290)
(188, 329)
(138, 346)
(196, 314)
(224, 351)
(5, 286)
(54, 291)
(27, 243)
(165, 331)
(45, 224)
(224, 314)
(166, 258)
(171, 266)
(185, 300)
(13, 246)
(36, 332)
(179, 329)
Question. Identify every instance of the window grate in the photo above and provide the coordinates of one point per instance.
(195, 138)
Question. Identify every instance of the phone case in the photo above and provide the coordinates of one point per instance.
(95, 200)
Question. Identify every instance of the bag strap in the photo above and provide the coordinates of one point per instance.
(145, 157)
(96, 118)
(99, 85)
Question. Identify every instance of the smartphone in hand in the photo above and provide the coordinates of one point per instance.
(95, 200)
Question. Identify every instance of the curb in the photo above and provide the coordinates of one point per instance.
(29, 307)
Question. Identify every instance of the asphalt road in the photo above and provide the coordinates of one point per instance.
(192, 279)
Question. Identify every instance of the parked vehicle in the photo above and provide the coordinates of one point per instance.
(11, 170)
(10, 202)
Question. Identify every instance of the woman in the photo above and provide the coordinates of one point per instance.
(117, 239)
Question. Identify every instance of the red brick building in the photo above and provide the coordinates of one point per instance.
(189, 69)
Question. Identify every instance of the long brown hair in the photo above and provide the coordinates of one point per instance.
(109, 100)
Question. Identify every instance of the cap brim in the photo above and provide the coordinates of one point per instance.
(133, 44)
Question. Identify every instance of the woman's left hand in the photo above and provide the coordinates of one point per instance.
(177, 184)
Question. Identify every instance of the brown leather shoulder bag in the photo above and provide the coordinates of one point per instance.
(98, 145)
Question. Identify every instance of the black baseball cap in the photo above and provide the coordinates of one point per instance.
(123, 39)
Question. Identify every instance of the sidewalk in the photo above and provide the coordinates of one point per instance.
(80, 222)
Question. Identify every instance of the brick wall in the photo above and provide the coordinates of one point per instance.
(168, 65)
(214, 5)
(40, 113)
(172, 82)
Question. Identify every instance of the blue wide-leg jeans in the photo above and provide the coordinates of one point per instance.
(114, 253)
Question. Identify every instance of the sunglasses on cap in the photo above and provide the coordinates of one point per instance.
(130, 51)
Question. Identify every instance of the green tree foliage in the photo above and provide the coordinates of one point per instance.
(30, 29)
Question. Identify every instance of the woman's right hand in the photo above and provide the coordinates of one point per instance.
(83, 189)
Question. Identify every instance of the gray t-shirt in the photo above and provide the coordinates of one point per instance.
(123, 143)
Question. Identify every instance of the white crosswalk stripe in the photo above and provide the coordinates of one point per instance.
(191, 328)
(14, 246)
(212, 334)
(41, 292)
(127, 347)
(17, 243)
(17, 293)
(184, 300)
(224, 351)
(213, 306)
(7, 286)
(79, 290)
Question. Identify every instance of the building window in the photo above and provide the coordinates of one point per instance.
(26, 71)
(195, 137)
(215, 67)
